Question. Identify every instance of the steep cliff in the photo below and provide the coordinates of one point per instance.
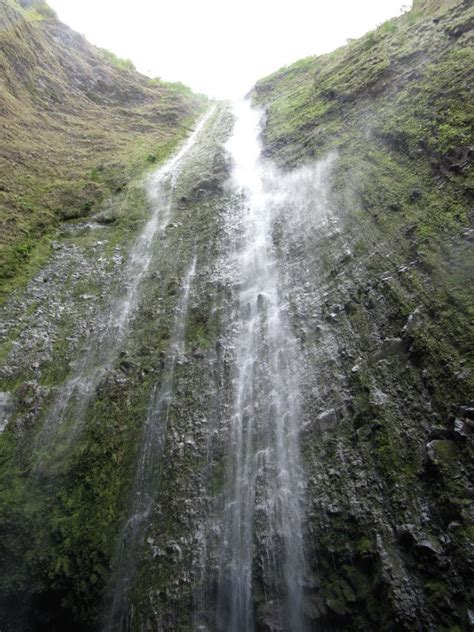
(80, 132)
(235, 396)
(390, 459)
(77, 126)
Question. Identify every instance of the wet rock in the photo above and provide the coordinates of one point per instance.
(407, 534)
(126, 366)
(470, 616)
(6, 409)
(460, 428)
(350, 307)
(441, 452)
(415, 319)
(378, 397)
(394, 207)
(327, 419)
(428, 547)
(457, 160)
(364, 432)
(269, 619)
(173, 287)
(26, 394)
(467, 411)
(393, 347)
(440, 432)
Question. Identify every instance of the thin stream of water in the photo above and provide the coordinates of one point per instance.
(147, 474)
(64, 420)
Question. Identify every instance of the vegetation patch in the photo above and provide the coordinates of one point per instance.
(79, 125)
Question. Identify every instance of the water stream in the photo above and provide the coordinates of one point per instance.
(262, 536)
(64, 420)
(147, 474)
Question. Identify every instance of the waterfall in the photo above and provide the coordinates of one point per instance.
(262, 516)
(146, 482)
(64, 419)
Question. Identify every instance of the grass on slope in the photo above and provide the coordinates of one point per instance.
(77, 125)
(395, 106)
(408, 78)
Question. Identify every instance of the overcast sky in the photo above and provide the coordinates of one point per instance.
(221, 47)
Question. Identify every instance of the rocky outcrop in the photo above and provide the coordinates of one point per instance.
(387, 450)
(431, 6)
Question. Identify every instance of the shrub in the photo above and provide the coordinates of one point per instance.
(118, 62)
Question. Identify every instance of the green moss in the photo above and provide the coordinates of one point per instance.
(446, 451)
(65, 151)
(59, 523)
(388, 456)
(436, 591)
(37, 10)
(364, 545)
(202, 330)
(117, 62)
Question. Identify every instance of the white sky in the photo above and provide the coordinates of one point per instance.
(221, 47)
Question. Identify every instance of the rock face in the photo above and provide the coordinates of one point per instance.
(368, 237)
(389, 477)
(432, 6)
(6, 409)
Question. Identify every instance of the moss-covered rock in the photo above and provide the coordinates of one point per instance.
(392, 105)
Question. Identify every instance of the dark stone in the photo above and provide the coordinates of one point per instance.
(467, 411)
(393, 346)
(126, 366)
(440, 432)
(415, 194)
(457, 160)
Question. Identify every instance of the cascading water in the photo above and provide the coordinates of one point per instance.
(74, 396)
(146, 482)
(263, 507)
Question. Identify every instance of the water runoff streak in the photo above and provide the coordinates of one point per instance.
(75, 394)
(146, 482)
(262, 540)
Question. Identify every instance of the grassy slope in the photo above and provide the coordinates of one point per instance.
(394, 105)
(76, 127)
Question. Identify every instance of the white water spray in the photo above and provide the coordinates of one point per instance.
(147, 474)
(65, 418)
(265, 478)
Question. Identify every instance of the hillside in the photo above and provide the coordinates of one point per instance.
(77, 126)
(392, 110)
